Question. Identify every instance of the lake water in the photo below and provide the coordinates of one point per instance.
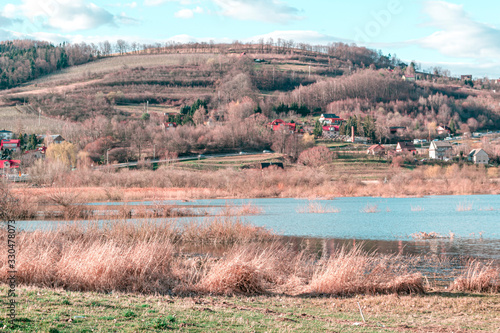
(471, 224)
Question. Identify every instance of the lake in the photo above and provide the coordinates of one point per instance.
(470, 225)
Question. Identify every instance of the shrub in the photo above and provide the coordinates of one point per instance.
(316, 156)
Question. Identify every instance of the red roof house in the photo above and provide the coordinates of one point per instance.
(12, 164)
(10, 144)
(281, 125)
(376, 150)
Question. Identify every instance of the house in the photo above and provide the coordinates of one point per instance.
(48, 139)
(479, 156)
(331, 128)
(37, 153)
(409, 77)
(278, 165)
(330, 119)
(10, 164)
(440, 150)
(443, 130)
(14, 145)
(466, 77)
(395, 129)
(6, 135)
(376, 150)
(281, 125)
(168, 125)
(406, 147)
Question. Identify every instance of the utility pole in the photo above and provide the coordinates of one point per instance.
(147, 106)
(154, 152)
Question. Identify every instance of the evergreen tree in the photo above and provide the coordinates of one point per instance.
(452, 126)
(318, 129)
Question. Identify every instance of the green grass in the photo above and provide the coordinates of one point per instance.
(44, 310)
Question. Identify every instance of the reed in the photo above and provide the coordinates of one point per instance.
(317, 208)
(370, 209)
(478, 277)
(150, 257)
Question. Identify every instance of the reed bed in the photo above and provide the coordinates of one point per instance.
(370, 209)
(317, 208)
(152, 257)
(478, 277)
(427, 235)
(464, 206)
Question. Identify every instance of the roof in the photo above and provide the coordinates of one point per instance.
(376, 146)
(409, 75)
(16, 141)
(475, 152)
(5, 131)
(330, 115)
(13, 163)
(441, 144)
(407, 145)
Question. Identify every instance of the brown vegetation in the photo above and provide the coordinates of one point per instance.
(478, 277)
(152, 257)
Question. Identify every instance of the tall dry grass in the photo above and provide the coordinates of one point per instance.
(150, 257)
(317, 208)
(356, 272)
(478, 277)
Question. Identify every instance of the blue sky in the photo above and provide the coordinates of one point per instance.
(460, 35)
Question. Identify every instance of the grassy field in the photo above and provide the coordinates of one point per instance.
(240, 161)
(13, 120)
(140, 108)
(44, 310)
(111, 64)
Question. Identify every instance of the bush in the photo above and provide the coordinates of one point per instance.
(316, 156)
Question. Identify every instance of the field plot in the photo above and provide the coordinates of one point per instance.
(140, 108)
(12, 119)
(240, 161)
(107, 65)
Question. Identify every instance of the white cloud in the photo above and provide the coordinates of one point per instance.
(188, 13)
(258, 10)
(459, 35)
(9, 11)
(131, 5)
(184, 13)
(161, 2)
(66, 15)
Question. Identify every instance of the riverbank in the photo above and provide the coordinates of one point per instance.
(56, 310)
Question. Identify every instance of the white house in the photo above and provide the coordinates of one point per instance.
(479, 156)
(440, 150)
(6, 135)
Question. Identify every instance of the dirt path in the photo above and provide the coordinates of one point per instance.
(56, 89)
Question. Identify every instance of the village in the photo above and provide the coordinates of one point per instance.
(17, 149)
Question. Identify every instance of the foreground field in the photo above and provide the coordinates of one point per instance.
(49, 310)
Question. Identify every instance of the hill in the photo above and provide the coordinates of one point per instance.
(224, 95)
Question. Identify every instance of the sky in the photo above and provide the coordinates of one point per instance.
(460, 35)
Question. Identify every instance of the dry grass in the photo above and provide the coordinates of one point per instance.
(150, 257)
(317, 208)
(416, 209)
(355, 272)
(241, 210)
(464, 206)
(478, 277)
(370, 209)
(427, 235)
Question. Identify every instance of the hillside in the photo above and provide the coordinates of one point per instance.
(224, 95)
